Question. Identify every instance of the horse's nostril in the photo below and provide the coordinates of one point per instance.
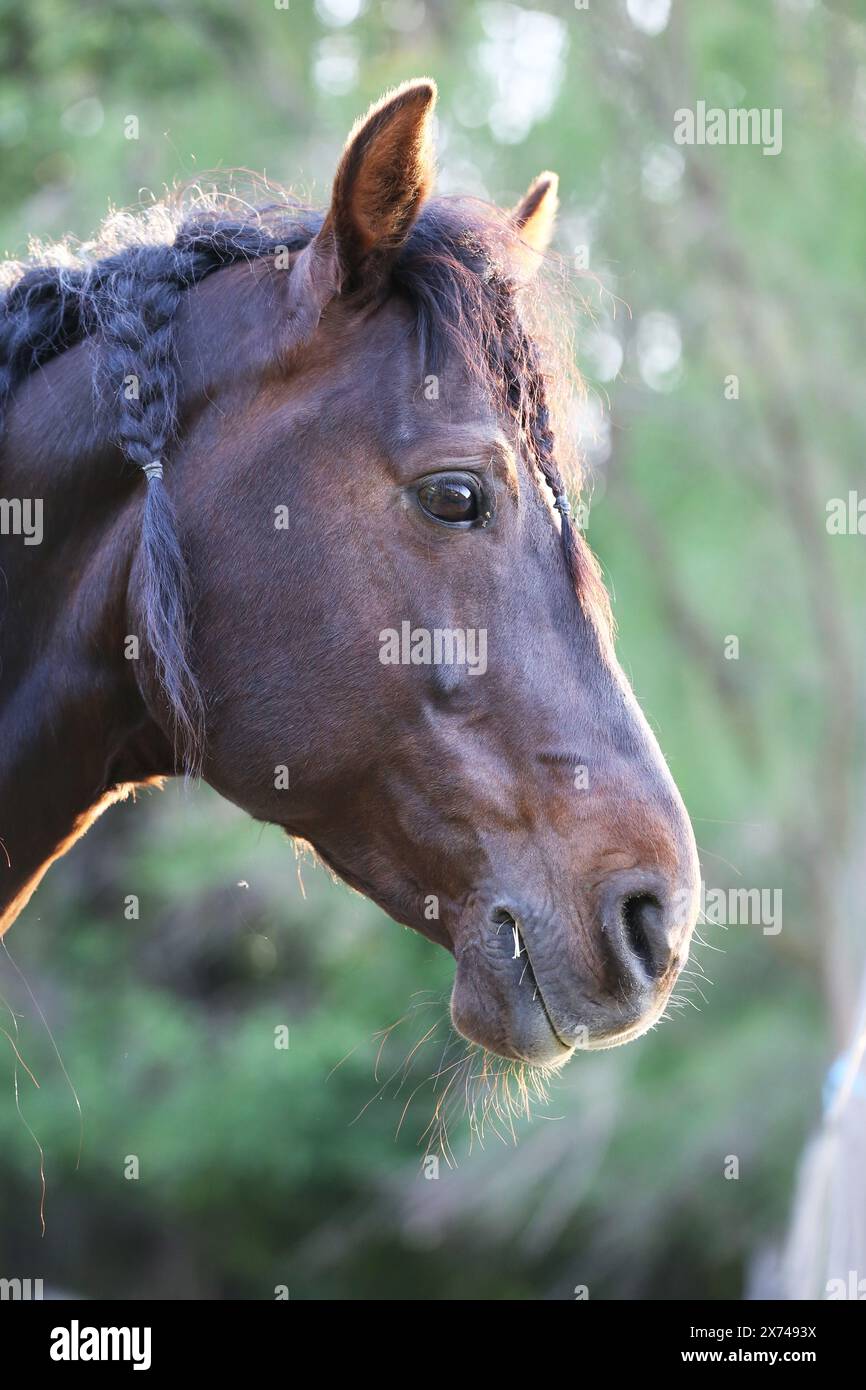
(643, 921)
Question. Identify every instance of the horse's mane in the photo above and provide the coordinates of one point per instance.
(456, 269)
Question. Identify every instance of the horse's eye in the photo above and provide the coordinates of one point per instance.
(454, 498)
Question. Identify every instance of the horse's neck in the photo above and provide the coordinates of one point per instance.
(73, 730)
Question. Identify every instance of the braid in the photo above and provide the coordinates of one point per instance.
(541, 433)
(525, 392)
(136, 309)
(135, 302)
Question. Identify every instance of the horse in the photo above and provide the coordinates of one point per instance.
(304, 531)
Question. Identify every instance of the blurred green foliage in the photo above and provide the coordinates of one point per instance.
(262, 1167)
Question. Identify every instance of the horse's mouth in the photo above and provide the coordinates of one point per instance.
(529, 979)
(498, 1000)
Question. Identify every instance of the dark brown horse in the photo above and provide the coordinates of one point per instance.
(282, 505)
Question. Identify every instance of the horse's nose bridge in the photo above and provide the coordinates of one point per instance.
(645, 824)
(629, 784)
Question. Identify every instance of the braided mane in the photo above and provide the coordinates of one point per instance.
(455, 269)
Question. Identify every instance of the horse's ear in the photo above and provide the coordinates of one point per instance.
(383, 179)
(535, 214)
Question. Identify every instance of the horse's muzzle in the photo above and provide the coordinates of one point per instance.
(535, 989)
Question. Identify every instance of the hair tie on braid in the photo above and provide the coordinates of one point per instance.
(562, 504)
(152, 470)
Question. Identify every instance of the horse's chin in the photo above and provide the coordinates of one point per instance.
(530, 1039)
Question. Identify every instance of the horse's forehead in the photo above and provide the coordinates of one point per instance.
(408, 397)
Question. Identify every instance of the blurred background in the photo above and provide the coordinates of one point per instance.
(721, 335)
